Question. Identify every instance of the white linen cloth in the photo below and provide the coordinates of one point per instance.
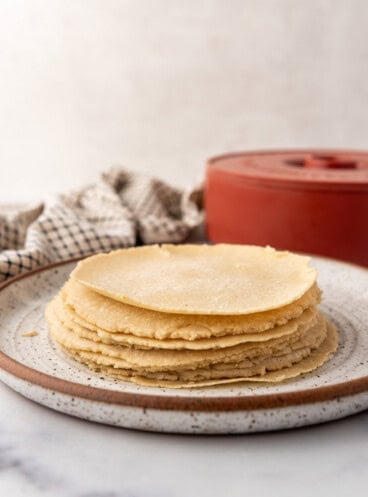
(123, 209)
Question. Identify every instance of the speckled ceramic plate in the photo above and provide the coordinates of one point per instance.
(34, 367)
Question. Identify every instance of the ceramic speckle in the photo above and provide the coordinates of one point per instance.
(34, 367)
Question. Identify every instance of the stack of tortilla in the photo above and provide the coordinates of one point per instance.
(193, 315)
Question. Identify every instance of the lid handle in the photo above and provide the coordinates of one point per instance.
(321, 161)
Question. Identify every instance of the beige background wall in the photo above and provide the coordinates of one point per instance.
(159, 85)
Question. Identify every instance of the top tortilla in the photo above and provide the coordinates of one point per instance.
(199, 279)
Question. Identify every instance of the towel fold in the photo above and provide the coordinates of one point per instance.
(121, 210)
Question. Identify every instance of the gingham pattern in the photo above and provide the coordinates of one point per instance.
(122, 210)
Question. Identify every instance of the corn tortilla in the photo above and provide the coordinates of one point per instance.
(193, 315)
(199, 279)
(83, 328)
(158, 360)
(116, 317)
(306, 361)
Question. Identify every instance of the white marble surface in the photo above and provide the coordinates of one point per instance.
(46, 453)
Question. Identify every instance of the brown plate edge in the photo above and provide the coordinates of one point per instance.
(175, 402)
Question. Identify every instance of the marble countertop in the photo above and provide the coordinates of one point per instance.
(44, 453)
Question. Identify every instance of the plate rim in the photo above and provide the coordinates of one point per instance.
(174, 402)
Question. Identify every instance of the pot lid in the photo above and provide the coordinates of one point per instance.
(307, 168)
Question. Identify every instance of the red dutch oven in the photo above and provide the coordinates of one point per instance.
(313, 201)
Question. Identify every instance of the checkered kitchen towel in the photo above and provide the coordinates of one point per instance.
(121, 210)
